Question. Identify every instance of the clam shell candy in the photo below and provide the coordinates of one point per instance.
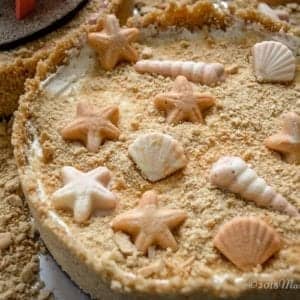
(273, 62)
(157, 155)
(247, 242)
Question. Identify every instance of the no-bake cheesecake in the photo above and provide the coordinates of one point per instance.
(132, 167)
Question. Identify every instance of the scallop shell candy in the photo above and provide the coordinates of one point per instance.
(157, 155)
(247, 242)
(273, 62)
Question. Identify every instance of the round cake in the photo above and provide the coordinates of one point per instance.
(162, 159)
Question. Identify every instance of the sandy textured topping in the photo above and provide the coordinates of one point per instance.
(233, 174)
(124, 243)
(84, 192)
(19, 246)
(181, 14)
(113, 43)
(273, 62)
(204, 73)
(247, 242)
(150, 225)
(287, 141)
(5, 240)
(92, 127)
(157, 155)
(182, 104)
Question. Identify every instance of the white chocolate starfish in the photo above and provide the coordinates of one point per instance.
(84, 192)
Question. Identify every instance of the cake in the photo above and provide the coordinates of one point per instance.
(138, 172)
(19, 63)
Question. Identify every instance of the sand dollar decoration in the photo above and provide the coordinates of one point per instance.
(157, 155)
(247, 242)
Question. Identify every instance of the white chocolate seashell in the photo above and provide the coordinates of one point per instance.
(275, 14)
(247, 242)
(273, 62)
(204, 73)
(157, 155)
(233, 174)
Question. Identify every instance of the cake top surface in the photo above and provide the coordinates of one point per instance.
(245, 112)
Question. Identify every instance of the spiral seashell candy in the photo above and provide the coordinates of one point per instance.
(204, 73)
(233, 174)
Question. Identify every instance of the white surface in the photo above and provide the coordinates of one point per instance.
(57, 282)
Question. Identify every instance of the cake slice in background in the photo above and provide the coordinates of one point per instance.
(19, 63)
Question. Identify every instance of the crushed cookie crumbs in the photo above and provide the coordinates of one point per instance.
(19, 247)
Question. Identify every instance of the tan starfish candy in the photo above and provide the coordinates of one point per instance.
(150, 225)
(113, 43)
(182, 104)
(84, 192)
(92, 127)
(287, 140)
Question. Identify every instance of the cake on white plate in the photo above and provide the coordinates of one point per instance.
(162, 161)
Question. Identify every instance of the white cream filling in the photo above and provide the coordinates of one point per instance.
(58, 220)
(219, 279)
(68, 76)
(239, 280)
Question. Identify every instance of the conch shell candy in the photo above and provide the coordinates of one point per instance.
(233, 174)
(247, 242)
(204, 73)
